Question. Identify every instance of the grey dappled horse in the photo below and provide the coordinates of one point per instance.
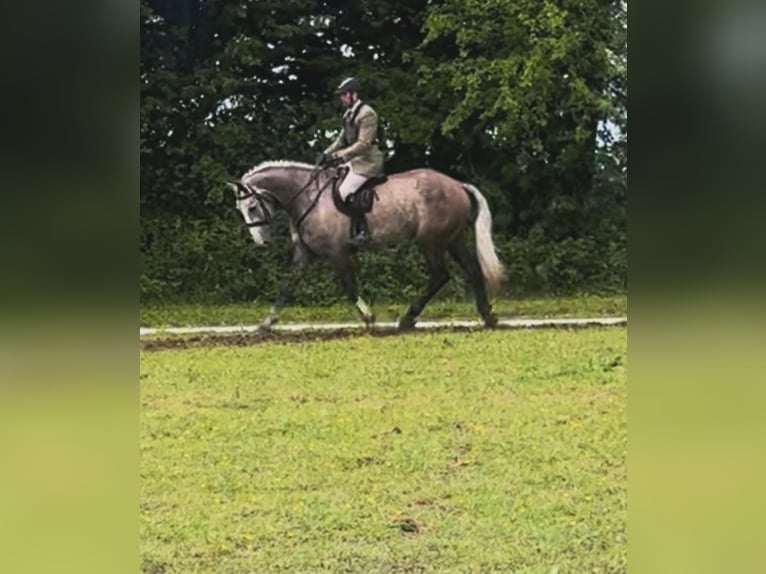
(421, 205)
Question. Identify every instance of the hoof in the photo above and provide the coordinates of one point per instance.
(267, 323)
(406, 323)
(369, 321)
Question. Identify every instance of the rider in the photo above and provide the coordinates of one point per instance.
(357, 148)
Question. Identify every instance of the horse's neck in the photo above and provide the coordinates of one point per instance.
(292, 193)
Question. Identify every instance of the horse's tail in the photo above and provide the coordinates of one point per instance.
(491, 267)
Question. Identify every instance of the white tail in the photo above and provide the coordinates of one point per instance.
(491, 267)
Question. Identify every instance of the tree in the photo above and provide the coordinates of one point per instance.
(524, 99)
(526, 91)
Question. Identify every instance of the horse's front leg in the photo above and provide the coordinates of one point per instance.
(345, 273)
(300, 259)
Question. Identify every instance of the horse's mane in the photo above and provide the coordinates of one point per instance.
(277, 163)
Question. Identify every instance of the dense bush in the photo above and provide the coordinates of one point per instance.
(218, 263)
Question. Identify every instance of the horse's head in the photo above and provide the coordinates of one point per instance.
(269, 186)
(253, 204)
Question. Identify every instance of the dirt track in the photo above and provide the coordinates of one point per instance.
(185, 338)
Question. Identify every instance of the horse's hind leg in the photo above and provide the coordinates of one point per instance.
(470, 266)
(437, 277)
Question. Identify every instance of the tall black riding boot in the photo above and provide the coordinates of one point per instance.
(360, 233)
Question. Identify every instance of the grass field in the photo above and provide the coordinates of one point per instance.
(487, 451)
(253, 313)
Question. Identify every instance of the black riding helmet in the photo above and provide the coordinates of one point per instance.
(348, 85)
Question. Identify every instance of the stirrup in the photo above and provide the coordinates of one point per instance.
(362, 237)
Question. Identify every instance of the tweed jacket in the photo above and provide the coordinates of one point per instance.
(358, 143)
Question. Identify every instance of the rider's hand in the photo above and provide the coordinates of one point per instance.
(333, 159)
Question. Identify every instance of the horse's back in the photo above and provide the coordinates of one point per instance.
(426, 204)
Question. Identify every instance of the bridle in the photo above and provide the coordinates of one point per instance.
(263, 197)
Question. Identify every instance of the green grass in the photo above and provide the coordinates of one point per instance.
(500, 451)
(240, 314)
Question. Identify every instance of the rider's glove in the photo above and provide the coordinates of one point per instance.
(333, 159)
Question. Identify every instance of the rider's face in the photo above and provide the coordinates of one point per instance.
(346, 98)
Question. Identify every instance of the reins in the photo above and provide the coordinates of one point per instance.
(264, 197)
(318, 195)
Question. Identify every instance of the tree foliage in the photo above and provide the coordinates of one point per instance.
(524, 98)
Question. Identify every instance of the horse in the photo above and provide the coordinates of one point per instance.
(420, 205)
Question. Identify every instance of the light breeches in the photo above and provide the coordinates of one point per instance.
(351, 182)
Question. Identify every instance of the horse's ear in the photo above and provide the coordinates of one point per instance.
(234, 186)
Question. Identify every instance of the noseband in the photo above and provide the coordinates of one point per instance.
(261, 198)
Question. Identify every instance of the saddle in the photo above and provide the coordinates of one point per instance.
(361, 200)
